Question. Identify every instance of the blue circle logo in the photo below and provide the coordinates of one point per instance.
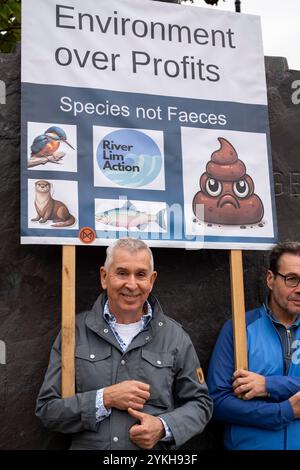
(129, 158)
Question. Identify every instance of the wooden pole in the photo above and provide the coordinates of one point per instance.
(238, 309)
(238, 6)
(68, 321)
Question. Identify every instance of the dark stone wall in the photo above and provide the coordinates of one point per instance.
(193, 286)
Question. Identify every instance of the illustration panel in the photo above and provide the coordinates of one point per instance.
(51, 147)
(52, 204)
(128, 158)
(134, 216)
(228, 179)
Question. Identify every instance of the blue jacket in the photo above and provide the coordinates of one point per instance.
(256, 424)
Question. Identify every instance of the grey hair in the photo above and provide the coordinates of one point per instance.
(130, 244)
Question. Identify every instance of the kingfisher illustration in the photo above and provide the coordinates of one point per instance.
(46, 144)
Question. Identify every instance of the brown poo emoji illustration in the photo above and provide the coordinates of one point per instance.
(226, 191)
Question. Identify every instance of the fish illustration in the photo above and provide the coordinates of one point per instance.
(129, 216)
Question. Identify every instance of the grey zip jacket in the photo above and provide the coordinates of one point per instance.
(161, 355)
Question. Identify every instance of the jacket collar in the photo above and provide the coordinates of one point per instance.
(95, 321)
(273, 317)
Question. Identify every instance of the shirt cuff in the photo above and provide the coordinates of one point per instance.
(101, 411)
(168, 433)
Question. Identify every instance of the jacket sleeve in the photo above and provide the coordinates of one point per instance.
(192, 403)
(282, 387)
(65, 415)
(229, 408)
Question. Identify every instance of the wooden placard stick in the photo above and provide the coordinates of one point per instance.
(238, 310)
(68, 321)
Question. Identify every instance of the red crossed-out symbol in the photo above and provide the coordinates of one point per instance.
(87, 235)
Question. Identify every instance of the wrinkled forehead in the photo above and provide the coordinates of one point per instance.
(139, 259)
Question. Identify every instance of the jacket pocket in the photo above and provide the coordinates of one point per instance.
(93, 368)
(156, 369)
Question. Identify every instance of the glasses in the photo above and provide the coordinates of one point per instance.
(291, 280)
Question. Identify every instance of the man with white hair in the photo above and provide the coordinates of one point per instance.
(139, 384)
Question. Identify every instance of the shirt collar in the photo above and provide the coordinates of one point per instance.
(111, 319)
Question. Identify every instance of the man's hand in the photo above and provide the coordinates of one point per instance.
(248, 384)
(127, 394)
(148, 432)
(295, 402)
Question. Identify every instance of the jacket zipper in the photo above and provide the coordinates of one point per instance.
(288, 333)
(284, 373)
(289, 351)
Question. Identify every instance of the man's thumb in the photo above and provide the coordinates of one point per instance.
(136, 414)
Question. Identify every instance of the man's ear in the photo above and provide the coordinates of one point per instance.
(103, 277)
(152, 279)
(270, 279)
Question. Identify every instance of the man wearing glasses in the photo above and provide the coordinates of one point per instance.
(261, 406)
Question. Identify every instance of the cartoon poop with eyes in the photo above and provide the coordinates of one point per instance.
(226, 191)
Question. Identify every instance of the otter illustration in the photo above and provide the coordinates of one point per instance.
(48, 208)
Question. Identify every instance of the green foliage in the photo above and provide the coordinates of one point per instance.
(10, 24)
